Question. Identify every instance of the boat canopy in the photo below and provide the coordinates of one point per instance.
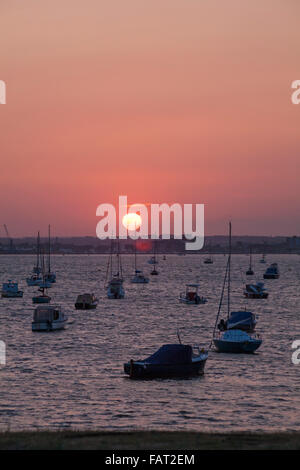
(192, 285)
(240, 316)
(171, 354)
(85, 298)
(46, 313)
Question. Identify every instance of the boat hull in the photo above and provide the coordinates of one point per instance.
(252, 295)
(15, 295)
(246, 347)
(271, 276)
(80, 306)
(48, 326)
(140, 370)
(193, 302)
(41, 300)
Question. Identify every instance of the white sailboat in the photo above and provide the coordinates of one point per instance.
(48, 318)
(35, 279)
(139, 277)
(114, 288)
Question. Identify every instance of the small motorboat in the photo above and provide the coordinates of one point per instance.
(272, 272)
(241, 320)
(11, 290)
(86, 302)
(171, 360)
(48, 318)
(139, 278)
(237, 341)
(115, 288)
(153, 260)
(263, 259)
(256, 291)
(191, 295)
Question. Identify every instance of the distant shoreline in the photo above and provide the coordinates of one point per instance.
(150, 440)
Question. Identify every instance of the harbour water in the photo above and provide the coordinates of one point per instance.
(74, 378)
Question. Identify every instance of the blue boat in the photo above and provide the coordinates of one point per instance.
(234, 336)
(240, 320)
(11, 290)
(171, 360)
(237, 341)
(272, 272)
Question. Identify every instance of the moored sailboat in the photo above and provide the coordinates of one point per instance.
(114, 288)
(234, 339)
(50, 276)
(43, 298)
(250, 271)
(138, 277)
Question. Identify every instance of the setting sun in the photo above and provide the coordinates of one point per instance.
(132, 221)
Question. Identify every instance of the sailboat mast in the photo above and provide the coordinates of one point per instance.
(229, 272)
(38, 252)
(49, 267)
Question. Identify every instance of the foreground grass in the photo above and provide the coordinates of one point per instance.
(150, 440)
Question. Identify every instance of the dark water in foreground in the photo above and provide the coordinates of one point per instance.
(74, 378)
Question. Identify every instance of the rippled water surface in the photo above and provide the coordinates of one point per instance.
(74, 378)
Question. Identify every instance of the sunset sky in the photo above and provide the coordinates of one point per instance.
(183, 101)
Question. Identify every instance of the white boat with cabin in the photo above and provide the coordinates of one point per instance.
(48, 318)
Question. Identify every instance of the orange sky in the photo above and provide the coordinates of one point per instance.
(160, 100)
